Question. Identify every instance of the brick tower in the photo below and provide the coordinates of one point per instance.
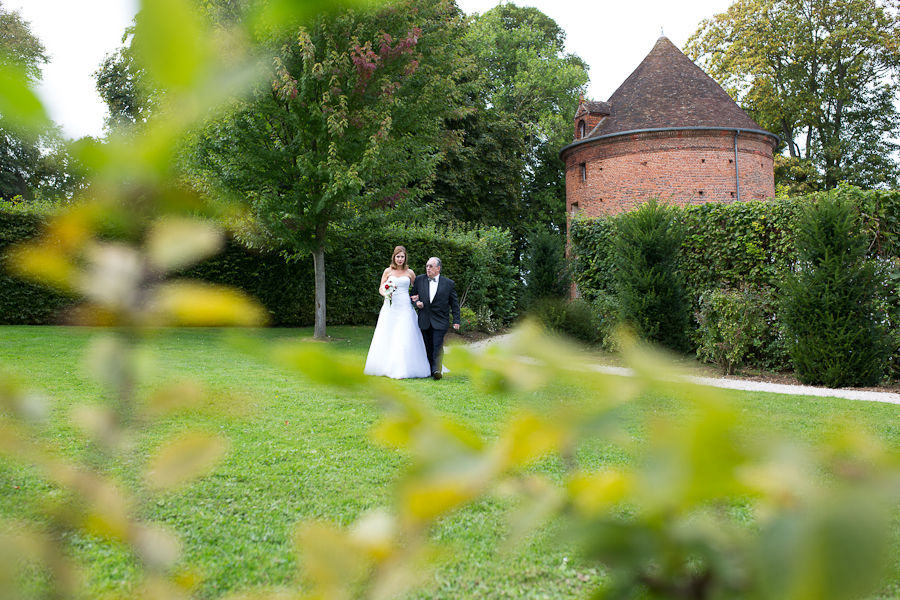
(669, 132)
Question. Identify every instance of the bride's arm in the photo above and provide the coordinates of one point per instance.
(412, 279)
(384, 278)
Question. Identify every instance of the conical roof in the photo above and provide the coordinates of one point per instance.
(668, 90)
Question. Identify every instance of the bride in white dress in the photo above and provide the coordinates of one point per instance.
(397, 350)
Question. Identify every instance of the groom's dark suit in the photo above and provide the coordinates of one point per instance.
(434, 316)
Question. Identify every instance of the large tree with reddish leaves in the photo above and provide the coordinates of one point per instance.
(352, 114)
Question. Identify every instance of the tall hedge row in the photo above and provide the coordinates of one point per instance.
(750, 249)
(21, 302)
(745, 244)
(479, 260)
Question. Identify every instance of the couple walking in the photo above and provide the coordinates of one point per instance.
(406, 344)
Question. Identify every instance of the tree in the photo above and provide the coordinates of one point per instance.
(352, 117)
(22, 51)
(829, 302)
(821, 74)
(118, 83)
(546, 270)
(650, 287)
(506, 171)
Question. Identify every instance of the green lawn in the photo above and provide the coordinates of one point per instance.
(300, 452)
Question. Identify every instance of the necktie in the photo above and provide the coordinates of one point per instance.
(430, 279)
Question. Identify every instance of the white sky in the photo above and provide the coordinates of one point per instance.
(611, 37)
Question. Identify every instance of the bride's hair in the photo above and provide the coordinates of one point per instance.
(397, 251)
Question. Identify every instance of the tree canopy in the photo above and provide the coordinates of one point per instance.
(506, 171)
(31, 158)
(351, 117)
(821, 74)
(20, 47)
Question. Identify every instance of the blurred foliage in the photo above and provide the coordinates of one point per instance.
(820, 516)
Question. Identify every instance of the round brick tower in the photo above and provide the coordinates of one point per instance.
(669, 132)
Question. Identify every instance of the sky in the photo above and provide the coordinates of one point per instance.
(611, 37)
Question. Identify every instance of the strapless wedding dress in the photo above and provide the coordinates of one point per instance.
(398, 350)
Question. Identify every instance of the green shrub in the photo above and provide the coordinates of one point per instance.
(546, 271)
(580, 322)
(750, 245)
(467, 320)
(830, 300)
(549, 312)
(606, 311)
(649, 285)
(575, 318)
(592, 264)
(728, 323)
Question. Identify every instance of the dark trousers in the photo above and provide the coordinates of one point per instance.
(434, 347)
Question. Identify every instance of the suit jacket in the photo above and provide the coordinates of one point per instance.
(436, 313)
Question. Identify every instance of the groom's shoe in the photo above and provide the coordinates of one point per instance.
(436, 375)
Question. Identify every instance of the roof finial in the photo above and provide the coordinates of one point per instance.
(661, 32)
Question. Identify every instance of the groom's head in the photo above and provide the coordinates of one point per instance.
(433, 266)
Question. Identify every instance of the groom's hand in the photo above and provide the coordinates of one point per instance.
(414, 298)
(420, 305)
(456, 326)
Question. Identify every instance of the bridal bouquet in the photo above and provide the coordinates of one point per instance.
(391, 287)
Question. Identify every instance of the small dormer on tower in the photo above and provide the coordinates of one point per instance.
(588, 116)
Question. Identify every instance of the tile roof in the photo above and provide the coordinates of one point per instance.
(668, 90)
(594, 108)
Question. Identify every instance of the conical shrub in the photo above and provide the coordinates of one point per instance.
(829, 301)
(649, 284)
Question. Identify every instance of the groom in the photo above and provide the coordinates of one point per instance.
(435, 296)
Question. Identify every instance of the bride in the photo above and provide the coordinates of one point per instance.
(397, 350)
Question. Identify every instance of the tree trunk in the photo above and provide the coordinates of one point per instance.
(319, 262)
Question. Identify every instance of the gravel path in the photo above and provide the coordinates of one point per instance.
(740, 384)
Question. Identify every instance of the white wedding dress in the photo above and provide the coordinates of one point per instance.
(398, 350)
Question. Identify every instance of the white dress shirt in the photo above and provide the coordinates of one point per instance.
(432, 288)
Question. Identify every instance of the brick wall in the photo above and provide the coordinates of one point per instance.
(613, 175)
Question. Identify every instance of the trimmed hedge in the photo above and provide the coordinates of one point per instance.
(478, 260)
(22, 302)
(751, 246)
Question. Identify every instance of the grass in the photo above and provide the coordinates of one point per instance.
(299, 452)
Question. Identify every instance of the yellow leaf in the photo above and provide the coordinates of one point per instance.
(200, 305)
(593, 493)
(425, 500)
(176, 396)
(529, 438)
(321, 365)
(107, 510)
(184, 459)
(156, 546)
(394, 431)
(175, 243)
(43, 264)
(19, 105)
(171, 43)
(330, 559)
(375, 533)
